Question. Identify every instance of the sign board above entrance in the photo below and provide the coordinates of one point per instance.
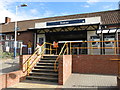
(69, 22)
(65, 22)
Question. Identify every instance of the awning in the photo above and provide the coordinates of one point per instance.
(86, 27)
(112, 30)
(105, 31)
(99, 31)
(108, 30)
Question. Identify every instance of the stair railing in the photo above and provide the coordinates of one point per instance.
(62, 51)
(37, 56)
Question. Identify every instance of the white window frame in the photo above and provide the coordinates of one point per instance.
(6, 44)
(12, 37)
(2, 37)
(7, 37)
(12, 44)
(19, 43)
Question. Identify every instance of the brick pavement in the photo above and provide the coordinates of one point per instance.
(9, 65)
(75, 81)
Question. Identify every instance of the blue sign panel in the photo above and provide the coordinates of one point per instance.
(66, 22)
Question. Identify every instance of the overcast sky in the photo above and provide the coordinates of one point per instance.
(39, 9)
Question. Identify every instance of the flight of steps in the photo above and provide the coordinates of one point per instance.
(44, 70)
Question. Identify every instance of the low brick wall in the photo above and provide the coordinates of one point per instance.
(95, 64)
(23, 62)
(65, 68)
(12, 78)
(118, 82)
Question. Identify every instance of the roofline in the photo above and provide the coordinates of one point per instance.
(61, 26)
(111, 24)
(65, 16)
(75, 14)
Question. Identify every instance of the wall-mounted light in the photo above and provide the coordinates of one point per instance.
(18, 34)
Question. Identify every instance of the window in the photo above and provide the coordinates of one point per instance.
(7, 37)
(6, 44)
(12, 37)
(12, 44)
(2, 37)
(19, 43)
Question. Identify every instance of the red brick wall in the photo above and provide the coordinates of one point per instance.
(23, 62)
(25, 37)
(95, 64)
(65, 68)
(9, 79)
(118, 82)
(12, 78)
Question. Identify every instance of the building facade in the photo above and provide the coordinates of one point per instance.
(98, 26)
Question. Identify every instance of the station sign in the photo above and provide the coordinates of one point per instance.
(65, 22)
(69, 22)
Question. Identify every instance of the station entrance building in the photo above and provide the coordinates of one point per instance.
(88, 43)
(78, 31)
(98, 26)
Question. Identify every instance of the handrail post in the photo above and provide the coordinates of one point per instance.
(29, 59)
(67, 48)
(50, 49)
(114, 48)
(56, 50)
(55, 67)
(28, 63)
(91, 51)
(70, 49)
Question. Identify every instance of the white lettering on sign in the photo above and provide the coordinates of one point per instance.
(64, 22)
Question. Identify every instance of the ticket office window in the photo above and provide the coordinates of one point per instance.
(7, 37)
(12, 37)
(2, 37)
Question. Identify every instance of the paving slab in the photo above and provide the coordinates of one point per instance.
(31, 85)
(91, 81)
(75, 81)
(9, 65)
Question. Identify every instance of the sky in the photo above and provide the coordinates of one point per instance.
(37, 9)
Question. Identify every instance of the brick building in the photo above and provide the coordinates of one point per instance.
(79, 27)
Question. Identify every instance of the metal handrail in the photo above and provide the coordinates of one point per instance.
(64, 50)
(38, 56)
(35, 52)
(97, 41)
(55, 67)
(29, 65)
(94, 47)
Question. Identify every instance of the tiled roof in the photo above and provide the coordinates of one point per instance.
(107, 17)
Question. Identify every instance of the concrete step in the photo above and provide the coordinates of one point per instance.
(43, 74)
(48, 59)
(46, 63)
(43, 67)
(52, 56)
(44, 70)
(42, 78)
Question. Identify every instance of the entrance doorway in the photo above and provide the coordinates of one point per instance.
(69, 36)
(40, 38)
(66, 36)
